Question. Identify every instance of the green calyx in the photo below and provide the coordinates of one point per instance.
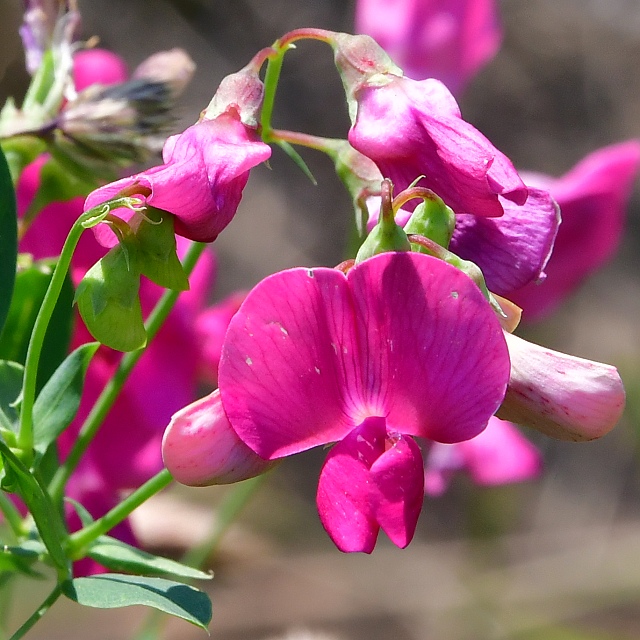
(386, 235)
(433, 219)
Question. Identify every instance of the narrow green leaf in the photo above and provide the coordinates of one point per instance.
(113, 590)
(119, 556)
(58, 402)
(47, 519)
(297, 158)
(19, 559)
(10, 387)
(8, 239)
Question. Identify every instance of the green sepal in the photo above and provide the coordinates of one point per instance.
(119, 556)
(58, 402)
(107, 298)
(32, 282)
(8, 239)
(385, 236)
(156, 257)
(18, 479)
(114, 590)
(433, 219)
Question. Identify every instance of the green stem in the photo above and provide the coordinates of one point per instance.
(11, 515)
(79, 540)
(25, 435)
(110, 393)
(271, 78)
(41, 610)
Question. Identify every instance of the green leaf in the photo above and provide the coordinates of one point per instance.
(156, 256)
(85, 517)
(20, 558)
(58, 402)
(32, 281)
(8, 239)
(118, 556)
(21, 151)
(11, 374)
(297, 158)
(113, 590)
(47, 519)
(108, 302)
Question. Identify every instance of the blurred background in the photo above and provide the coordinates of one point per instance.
(554, 559)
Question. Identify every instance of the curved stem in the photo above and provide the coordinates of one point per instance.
(25, 435)
(88, 534)
(36, 615)
(109, 394)
(330, 146)
(409, 194)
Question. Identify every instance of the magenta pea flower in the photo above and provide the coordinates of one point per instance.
(450, 40)
(201, 181)
(414, 128)
(402, 346)
(593, 197)
(499, 455)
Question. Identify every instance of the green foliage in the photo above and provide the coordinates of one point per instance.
(118, 556)
(32, 282)
(58, 402)
(10, 387)
(112, 590)
(8, 239)
(433, 219)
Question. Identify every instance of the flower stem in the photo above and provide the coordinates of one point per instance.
(25, 435)
(110, 393)
(88, 534)
(40, 611)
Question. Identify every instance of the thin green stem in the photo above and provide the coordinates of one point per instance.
(79, 540)
(40, 611)
(110, 393)
(271, 78)
(11, 515)
(25, 435)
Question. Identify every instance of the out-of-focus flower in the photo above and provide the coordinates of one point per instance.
(413, 131)
(593, 197)
(450, 40)
(402, 345)
(499, 455)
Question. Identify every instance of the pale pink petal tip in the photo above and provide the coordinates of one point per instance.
(563, 396)
(201, 448)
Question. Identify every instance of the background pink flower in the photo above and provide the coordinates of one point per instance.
(450, 40)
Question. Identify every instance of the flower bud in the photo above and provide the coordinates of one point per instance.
(201, 448)
(562, 396)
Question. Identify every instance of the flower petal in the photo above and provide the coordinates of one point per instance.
(201, 448)
(511, 250)
(344, 495)
(563, 396)
(398, 478)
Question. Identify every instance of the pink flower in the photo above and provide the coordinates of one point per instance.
(499, 455)
(412, 129)
(97, 66)
(404, 345)
(445, 39)
(201, 181)
(593, 197)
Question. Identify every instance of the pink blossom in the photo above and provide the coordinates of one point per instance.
(201, 181)
(97, 66)
(499, 455)
(414, 128)
(445, 39)
(593, 197)
(403, 345)
(563, 396)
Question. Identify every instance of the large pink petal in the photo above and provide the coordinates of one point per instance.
(397, 476)
(433, 357)
(344, 496)
(281, 375)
